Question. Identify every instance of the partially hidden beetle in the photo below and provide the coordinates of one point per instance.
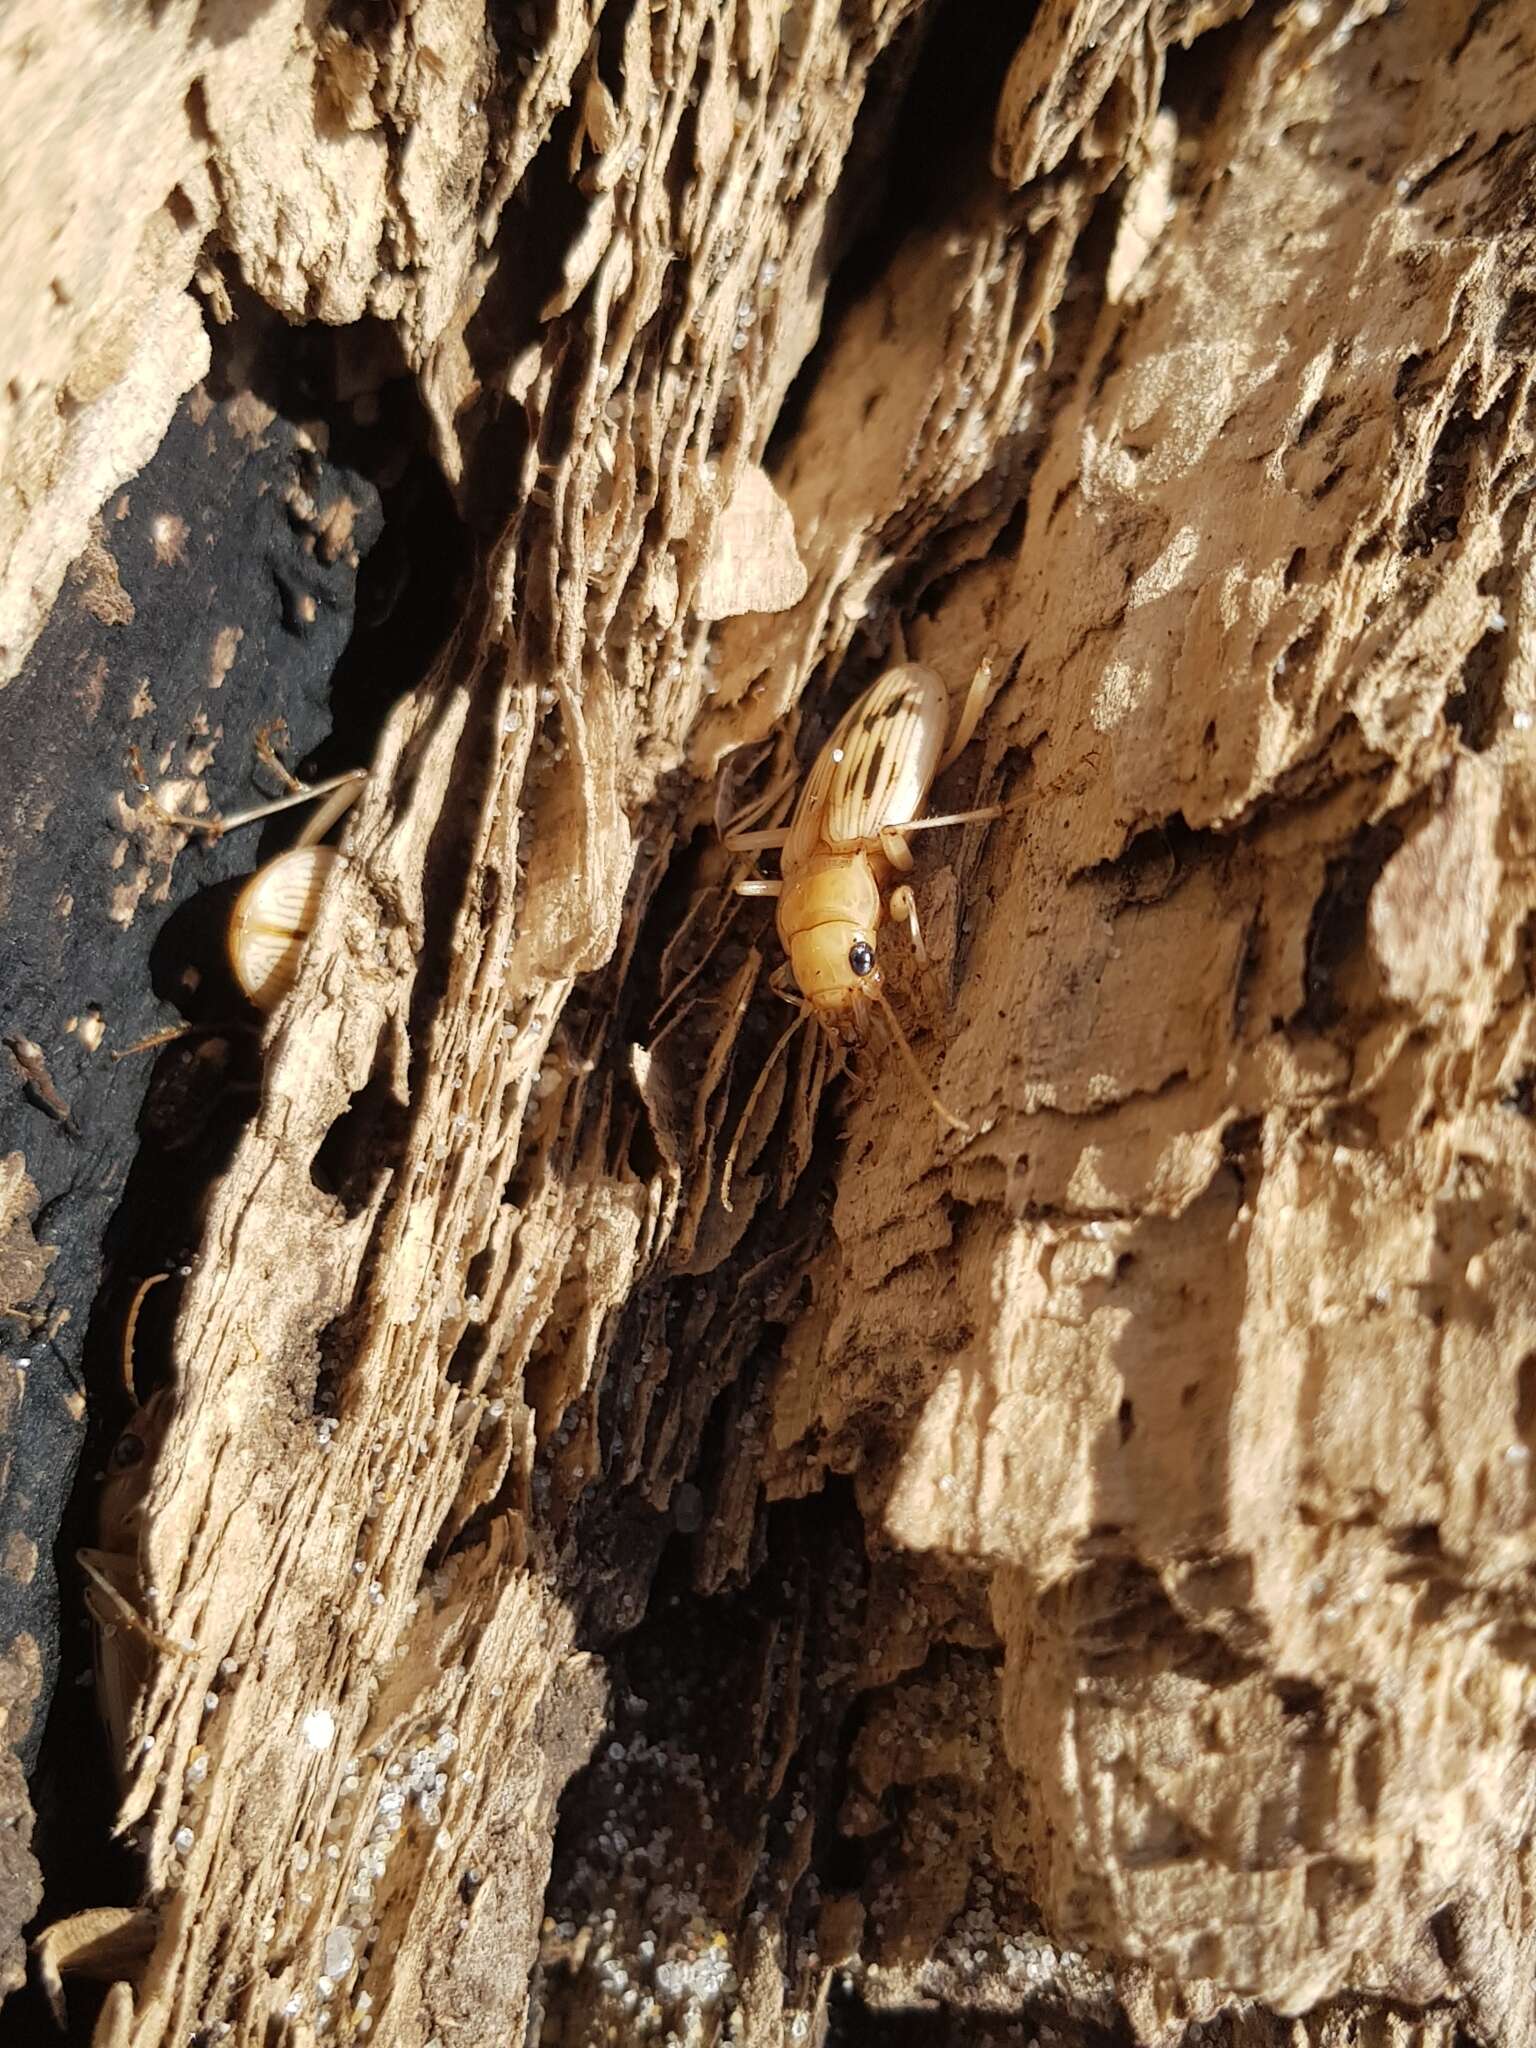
(114, 1573)
(847, 841)
(276, 909)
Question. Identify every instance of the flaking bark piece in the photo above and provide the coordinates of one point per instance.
(754, 565)
(1432, 911)
(104, 1942)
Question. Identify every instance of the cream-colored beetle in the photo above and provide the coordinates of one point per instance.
(847, 841)
(275, 911)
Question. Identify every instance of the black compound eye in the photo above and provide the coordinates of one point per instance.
(127, 1452)
(861, 957)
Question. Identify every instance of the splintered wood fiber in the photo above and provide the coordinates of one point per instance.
(1070, 1574)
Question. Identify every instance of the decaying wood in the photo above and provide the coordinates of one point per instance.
(1074, 1573)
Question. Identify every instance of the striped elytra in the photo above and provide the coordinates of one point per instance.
(273, 916)
(876, 769)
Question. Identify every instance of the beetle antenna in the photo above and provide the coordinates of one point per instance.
(955, 1123)
(129, 1327)
(752, 1101)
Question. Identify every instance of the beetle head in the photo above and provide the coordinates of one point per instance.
(838, 974)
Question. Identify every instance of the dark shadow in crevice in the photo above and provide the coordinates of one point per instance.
(1336, 932)
(686, 1750)
(852, 2022)
(942, 74)
(366, 1141)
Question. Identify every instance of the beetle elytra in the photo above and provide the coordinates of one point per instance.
(275, 911)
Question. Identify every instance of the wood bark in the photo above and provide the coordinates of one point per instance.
(1074, 1576)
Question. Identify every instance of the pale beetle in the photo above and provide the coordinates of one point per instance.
(276, 909)
(847, 841)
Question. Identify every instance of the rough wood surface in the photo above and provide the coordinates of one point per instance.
(1075, 1575)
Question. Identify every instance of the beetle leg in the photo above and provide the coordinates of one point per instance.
(896, 850)
(904, 910)
(786, 994)
(910, 1059)
(130, 1325)
(977, 817)
(970, 712)
(120, 1610)
(755, 842)
(345, 793)
(935, 995)
(756, 885)
(890, 839)
(340, 790)
(759, 806)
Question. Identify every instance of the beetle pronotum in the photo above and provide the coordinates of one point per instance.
(847, 841)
